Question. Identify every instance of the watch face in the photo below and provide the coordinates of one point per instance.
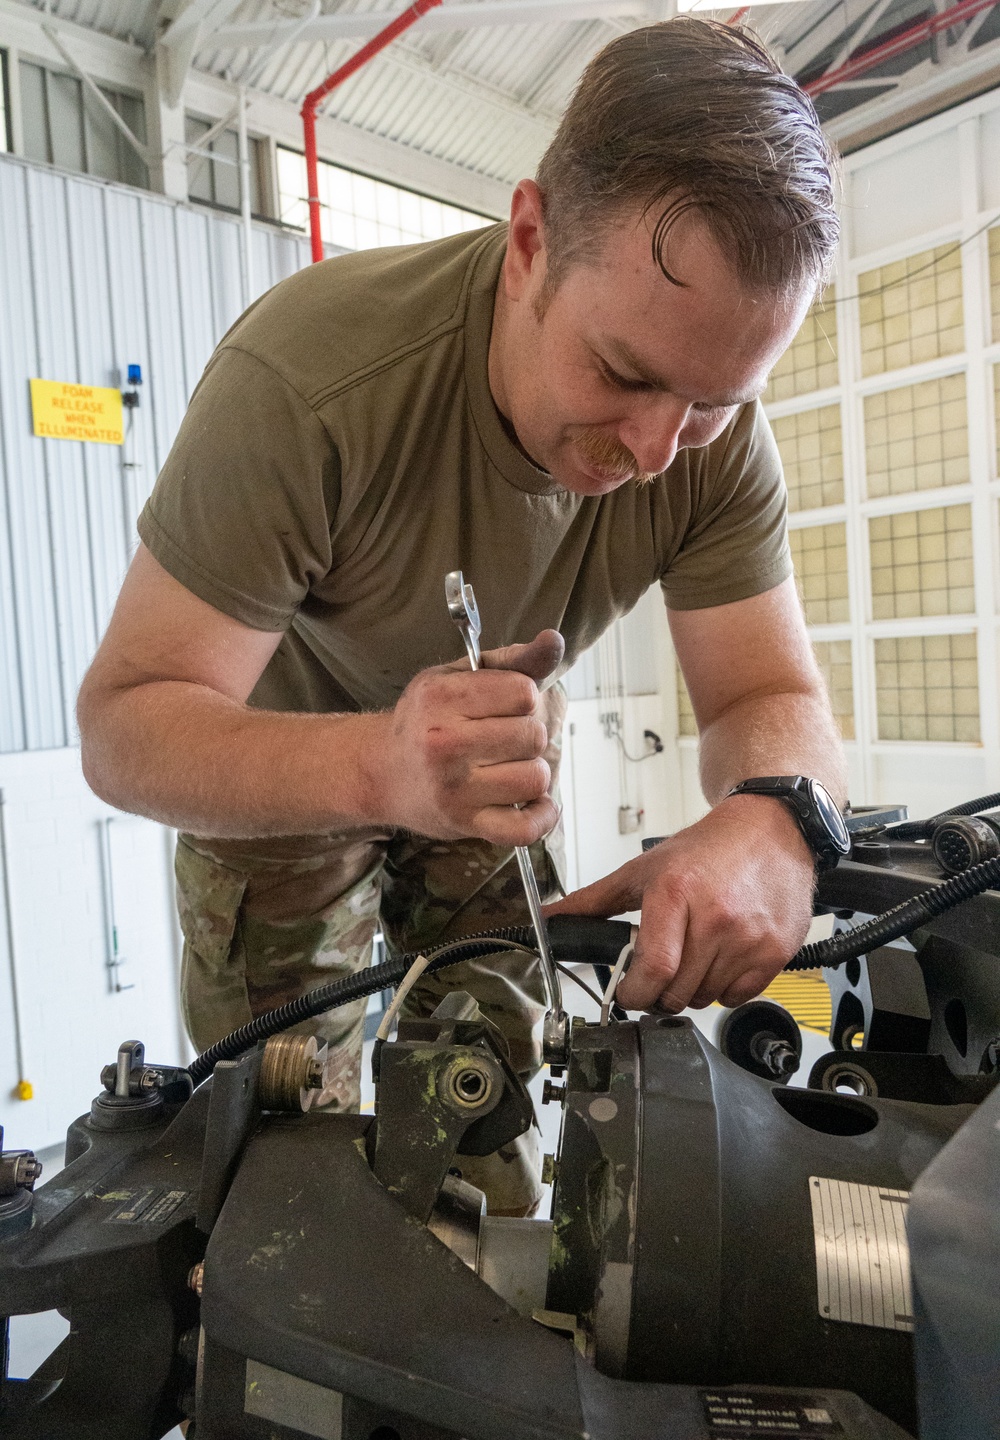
(829, 813)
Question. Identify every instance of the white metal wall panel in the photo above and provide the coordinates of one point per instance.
(227, 276)
(14, 330)
(94, 277)
(197, 324)
(130, 345)
(26, 489)
(94, 283)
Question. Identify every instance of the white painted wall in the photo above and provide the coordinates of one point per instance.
(72, 1019)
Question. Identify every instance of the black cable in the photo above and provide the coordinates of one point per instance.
(923, 829)
(833, 952)
(927, 265)
(342, 992)
(849, 944)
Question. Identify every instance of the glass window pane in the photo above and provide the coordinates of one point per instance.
(4, 103)
(834, 660)
(102, 141)
(363, 197)
(409, 212)
(911, 311)
(260, 201)
(359, 212)
(199, 167)
(927, 688)
(366, 232)
(810, 362)
(387, 205)
(292, 207)
(812, 456)
(686, 723)
(132, 109)
(921, 563)
(917, 437)
(66, 120)
(225, 177)
(819, 554)
(34, 113)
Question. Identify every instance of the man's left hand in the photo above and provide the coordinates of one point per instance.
(725, 904)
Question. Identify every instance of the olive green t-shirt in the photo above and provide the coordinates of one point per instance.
(343, 452)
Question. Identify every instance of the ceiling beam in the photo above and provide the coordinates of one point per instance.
(187, 28)
(802, 49)
(923, 91)
(360, 25)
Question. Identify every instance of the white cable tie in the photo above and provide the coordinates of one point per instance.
(409, 980)
(620, 966)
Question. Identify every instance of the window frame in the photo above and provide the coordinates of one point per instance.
(112, 91)
(364, 175)
(260, 161)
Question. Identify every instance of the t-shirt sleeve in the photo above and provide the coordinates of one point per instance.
(242, 509)
(736, 544)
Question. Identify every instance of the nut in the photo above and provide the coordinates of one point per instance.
(468, 1084)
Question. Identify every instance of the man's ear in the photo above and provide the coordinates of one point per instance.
(524, 264)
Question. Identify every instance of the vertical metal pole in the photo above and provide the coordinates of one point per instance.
(245, 199)
(312, 180)
(23, 1085)
(114, 961)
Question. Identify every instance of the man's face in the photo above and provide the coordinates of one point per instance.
(608, 375)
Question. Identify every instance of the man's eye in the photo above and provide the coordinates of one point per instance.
(622, 382)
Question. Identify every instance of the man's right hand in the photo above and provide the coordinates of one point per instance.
(463, 750)
(166, 732)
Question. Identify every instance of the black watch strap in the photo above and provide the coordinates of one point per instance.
(819, 818)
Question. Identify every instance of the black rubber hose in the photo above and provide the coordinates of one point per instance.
(342, 992)
(922, 829)
(849, 944)
(571, 937)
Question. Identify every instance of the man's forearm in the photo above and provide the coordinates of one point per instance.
(782, 734)
(189, 757)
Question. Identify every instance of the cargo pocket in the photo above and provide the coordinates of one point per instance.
(213, 968)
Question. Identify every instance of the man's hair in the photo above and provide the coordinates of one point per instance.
(692, 115)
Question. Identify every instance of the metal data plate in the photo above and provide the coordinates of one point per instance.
(862, 1253)
(288, 1400)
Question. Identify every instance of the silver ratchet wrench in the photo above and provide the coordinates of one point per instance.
(464, 611)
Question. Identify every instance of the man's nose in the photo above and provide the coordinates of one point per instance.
(653, 434)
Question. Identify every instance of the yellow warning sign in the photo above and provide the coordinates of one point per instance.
(77, 412)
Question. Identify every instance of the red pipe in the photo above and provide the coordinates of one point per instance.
(898, 45)
(378, 42)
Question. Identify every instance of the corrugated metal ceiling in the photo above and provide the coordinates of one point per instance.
(488, 99)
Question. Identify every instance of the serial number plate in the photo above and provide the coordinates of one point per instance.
(767, 1415)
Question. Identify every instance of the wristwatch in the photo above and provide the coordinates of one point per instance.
(814, 808)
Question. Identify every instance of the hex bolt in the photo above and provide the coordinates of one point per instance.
(553, 1092)
(780, 1058)
(27, 1170)
(196, 1277)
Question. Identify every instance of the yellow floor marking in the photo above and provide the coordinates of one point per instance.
(805, 995)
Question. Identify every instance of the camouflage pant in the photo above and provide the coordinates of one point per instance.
(267, 921)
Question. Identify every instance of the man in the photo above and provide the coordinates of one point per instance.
(567, 411)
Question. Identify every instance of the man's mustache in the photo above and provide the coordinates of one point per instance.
(611, 457)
